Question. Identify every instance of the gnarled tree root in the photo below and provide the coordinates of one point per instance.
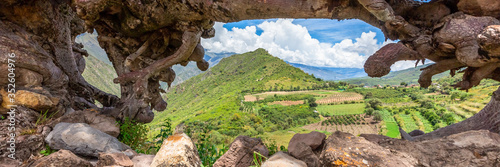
(379, 64)
(425, 79)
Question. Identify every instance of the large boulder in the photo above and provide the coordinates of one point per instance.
(240, 153)
(143, 160)
(281, 159)
(304, 153)
(302, 147)
(470, 148)
(83, 140)
(177, 150)
(104, 123)
(313, 139)
(114, 159)
(61, 158)
(344, 149)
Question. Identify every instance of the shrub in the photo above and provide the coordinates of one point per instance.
(216, 137)
(369, 111)
(375, 103)
(134, 134)
(377, 116)
(165, 132)
(236, 117)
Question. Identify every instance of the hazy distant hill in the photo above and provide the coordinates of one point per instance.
(191, 70)
(409, 76)
(101, 75)
(217, 93)
(91, 45)
(331, 73)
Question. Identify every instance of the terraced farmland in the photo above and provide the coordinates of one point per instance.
(340, 97)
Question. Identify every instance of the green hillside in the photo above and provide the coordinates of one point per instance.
(216, 96)
(409, 76)
(91, 45)
(100, 75)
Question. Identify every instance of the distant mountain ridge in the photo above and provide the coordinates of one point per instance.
(331, 73)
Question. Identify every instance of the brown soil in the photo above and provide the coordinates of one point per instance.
(340, 97)
(287, 103)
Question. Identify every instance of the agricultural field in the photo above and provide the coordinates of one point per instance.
(355, 124)
(322, 96)
(341, 109)
(389, 127)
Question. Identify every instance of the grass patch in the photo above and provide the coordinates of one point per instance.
(392, 127)
(282, 137)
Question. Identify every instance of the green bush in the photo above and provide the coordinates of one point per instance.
(134, 134)
(374, 103)
(216, 137)
(165, 132)
(369, 111)
(377, 116)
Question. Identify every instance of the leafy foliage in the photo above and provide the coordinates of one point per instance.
(47, 151)
(134, 134)
(165, 132)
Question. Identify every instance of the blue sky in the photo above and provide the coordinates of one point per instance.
(313, 42)
(325, 30)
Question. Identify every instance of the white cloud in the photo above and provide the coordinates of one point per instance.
(293, 43)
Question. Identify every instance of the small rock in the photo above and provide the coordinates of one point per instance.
(177, 150)
(143, 160)
(130, 153)
(83, 140)
(61, 158)
(416, 133)
(240, 153)
(281, 159)
(112, 159)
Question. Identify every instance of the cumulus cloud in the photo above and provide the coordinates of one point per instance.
(293, 43)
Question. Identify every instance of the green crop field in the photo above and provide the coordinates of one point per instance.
(341, 109)
(410, 124)
(427, 124)
(392, 128)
